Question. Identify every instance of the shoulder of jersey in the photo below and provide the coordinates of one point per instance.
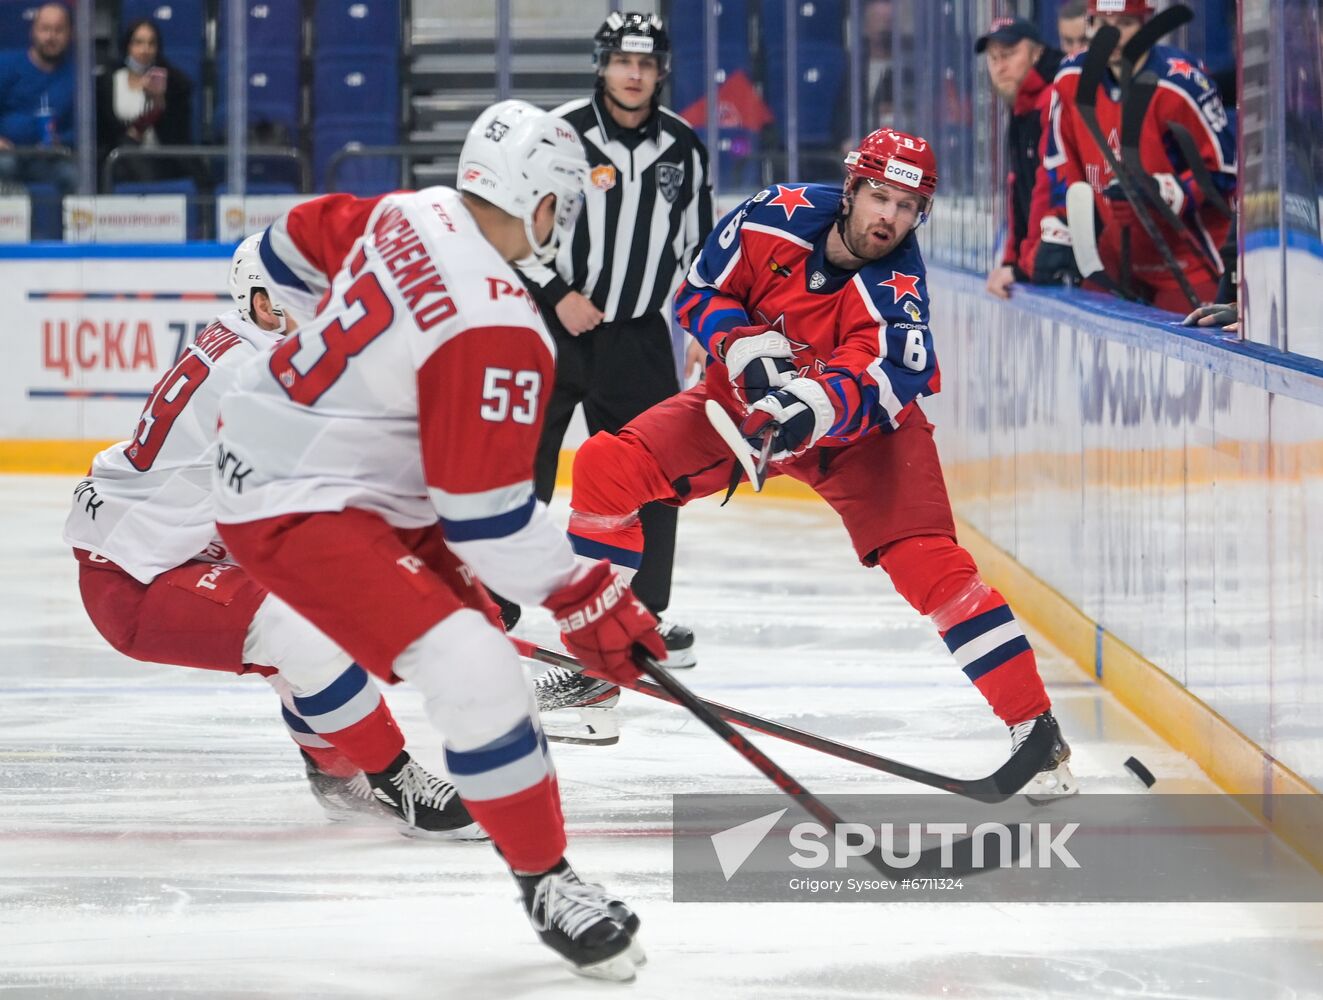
(897, 279)
(233, 338)
(485, 289)
(1070, 68)
(1182, 69)
(803, 211)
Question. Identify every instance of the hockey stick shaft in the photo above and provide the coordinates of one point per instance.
(1086, 100)
(1199, 169)
(997, 787)
(959, 859)
(774, 773)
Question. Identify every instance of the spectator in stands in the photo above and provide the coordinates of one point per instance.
(1022, 69)
(37, 103)
(144, 102)
(1071, 23)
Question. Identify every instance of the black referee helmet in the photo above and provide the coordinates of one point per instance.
(633, 33)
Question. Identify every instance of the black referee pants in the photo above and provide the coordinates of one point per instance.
(616, 371)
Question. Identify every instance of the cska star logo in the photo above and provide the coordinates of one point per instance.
(790, 200)
(902, 285)
(1182, 67)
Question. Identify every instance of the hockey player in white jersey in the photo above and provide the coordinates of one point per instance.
(405, 418)
(159, 585)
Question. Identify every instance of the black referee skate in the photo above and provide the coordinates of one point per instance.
(576, 708)
(1054, 781)
(680, 652)
(583, 923)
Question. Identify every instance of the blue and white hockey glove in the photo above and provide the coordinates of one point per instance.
(758, 360)
(797, 416)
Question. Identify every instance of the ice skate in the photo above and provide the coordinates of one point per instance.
(426, 806)
(583, 923)
(680, 652)
(1054, 781)
(345, 799)
(576, 708)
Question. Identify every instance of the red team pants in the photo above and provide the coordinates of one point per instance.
(198, 615)
(377, 590)
(889, 492)
(371, 587)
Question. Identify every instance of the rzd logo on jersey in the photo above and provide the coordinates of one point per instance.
(670, 178)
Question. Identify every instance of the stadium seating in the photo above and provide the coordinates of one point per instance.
(16, 23)
(274, 97)
(183, 27)
(350, 84)
(362, 25)
(274, 29)
(817, 22)
(357, 175)
(821, 79)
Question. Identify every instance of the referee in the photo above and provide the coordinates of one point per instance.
(647, 210)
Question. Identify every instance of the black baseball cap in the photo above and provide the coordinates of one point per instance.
(1008, 31)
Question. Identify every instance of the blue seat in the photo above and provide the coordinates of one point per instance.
(821, 77)
(274, 30)
(356, 175)
(274, 97)
(182, 23)
(818, 22)
(364, 25)
(353, 85)
(260, 187)
(16, 23)
(687, 18)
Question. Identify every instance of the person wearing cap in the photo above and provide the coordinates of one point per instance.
(647, 210)
(1021, 67)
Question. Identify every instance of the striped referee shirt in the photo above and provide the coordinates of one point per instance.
(647, 210)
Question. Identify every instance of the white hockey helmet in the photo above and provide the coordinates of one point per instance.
(514, 156)
(248, 276)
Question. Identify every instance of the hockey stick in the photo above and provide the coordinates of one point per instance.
(1134, 110)
(1084, 238)
(1100, 49)
(945, 860)
(754, 467)
(1202, 176)
(999, 786)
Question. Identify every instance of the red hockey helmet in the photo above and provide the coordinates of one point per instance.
(1131, 8)
(895, 158)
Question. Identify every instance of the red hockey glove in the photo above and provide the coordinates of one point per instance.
(600, 622)
(797, 416)
(758, 360)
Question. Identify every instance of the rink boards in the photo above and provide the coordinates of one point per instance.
(1169, 486)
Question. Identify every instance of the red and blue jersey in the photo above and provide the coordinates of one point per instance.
(1185, 96)
(863, 335)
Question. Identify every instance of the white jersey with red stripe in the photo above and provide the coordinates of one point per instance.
(417, 392)
(146, 504)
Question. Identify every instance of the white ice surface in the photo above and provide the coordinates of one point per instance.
(157, 837)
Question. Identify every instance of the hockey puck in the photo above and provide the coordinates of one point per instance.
(1133, 765)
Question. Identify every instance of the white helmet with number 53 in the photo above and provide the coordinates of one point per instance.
(514, 156)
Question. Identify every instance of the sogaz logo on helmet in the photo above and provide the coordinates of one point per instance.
(905, 173)
(636, 43)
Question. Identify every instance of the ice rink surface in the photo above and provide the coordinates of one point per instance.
(157, 837)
